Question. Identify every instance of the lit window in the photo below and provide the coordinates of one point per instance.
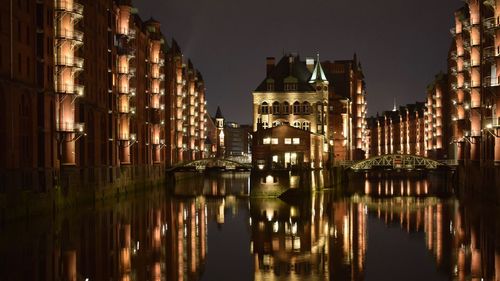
(305, 126)
(276, 123)
(296, 124)
(288, 141)
(265, 125)
(274, 141)
(296, 140)
(266, 141)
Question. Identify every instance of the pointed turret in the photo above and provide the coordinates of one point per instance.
(218, 114)
(318, 74)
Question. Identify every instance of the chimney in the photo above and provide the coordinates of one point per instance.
(310, 64)
(270, 65)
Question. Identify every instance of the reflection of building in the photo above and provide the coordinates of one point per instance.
(438, 119)
(318, 237)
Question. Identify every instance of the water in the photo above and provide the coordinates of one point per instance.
(210, 229)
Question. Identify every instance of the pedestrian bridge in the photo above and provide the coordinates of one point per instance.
(227, 164)
(399, 162)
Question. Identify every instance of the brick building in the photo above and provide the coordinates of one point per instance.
(90, 94)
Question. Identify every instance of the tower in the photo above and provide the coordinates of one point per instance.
(320, 83)
(219, 123)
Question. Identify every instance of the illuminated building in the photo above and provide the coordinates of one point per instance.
(473, 63)
(92, 95)
(438, 119)
(400, 131)
(323, 98)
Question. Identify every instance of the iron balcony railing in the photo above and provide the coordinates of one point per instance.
(490, 23)
(69, 6)
(69, 61)
(70, 89)
(70, 127)
(67, 34)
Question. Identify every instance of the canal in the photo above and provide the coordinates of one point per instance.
(228, 227)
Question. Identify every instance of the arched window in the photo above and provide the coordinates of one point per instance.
(306, 108)
(264, 108)
(306, 126)
(265, 125)
(296, 107)
(276, 107)
(296, 124)
(276, 123)
(286, 108)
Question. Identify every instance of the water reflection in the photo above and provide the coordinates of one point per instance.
(164, 235)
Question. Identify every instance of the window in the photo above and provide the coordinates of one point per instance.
(276, 107)
(266, 141)
(270, 86)
(296, 107)
(264, 108)
(276, 123)
(290, 86)
(286, 108)
(265, 125)
(305, 108)
(296, 140)
(296, 124)
(288, 141)
(306, 126)
(274, 141)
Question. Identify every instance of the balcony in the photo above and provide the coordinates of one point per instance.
(492, 122)
(75, 62)
(69, 7)
(70, 89)
(475, 104)
(126, 71)
(126, 109)
(490, 24)
(67, 34)
(490, 81)
(70, 127)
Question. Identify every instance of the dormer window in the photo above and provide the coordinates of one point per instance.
(270, 85)
(291, 84)
(290, 87)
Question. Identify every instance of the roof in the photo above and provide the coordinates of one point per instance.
(289, 68)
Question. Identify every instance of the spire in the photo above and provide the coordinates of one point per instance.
(318, 74)
(218, 114)
(395, 108)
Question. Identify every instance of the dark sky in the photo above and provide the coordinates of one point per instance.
(402, 44)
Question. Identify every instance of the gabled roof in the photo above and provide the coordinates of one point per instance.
(289, 68)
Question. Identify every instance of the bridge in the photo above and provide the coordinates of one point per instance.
(397, 162)
(227, 164)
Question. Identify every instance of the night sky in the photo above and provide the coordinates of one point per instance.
(401, 44)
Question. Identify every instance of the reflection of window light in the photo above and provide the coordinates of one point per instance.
(266, 141)
(274, 141)
(296, 140)
(276, 227)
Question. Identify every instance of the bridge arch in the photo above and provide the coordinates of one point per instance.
(397, 161)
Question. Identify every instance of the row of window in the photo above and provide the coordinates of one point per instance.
(297, 124)
(285, 108)
(276, 141)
